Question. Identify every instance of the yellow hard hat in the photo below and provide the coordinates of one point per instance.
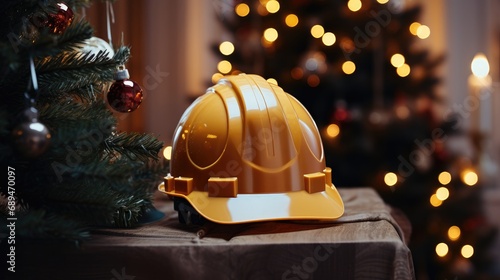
(247, 151)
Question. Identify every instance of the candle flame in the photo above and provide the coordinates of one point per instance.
(480, 66)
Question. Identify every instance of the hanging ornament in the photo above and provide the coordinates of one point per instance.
(31, 138)
(124, 95)
(93, 46)
(58, 22)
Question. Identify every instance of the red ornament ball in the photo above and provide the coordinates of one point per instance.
(125, 95)
(58, 22)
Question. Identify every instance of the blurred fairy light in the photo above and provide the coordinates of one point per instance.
(444, 178)
(469, 177)
(382, 1)
(442, 249)
(442, 193)
(480, 66)
(224, 66)
(273, 6)
(242, 10)
(454, 233)
(397, 60)
(270, 34)
(423, 31)
(317, 31)
(226, 48)
(414, 27)
(216, 77)
(329, 39)
(167, 152)
(435, 202)
(354, 5)
(297, 73)
(291, 20)
(313, 80)
(272, 81)
(403, 70)
(390, 179)
(467, 251)
(348, 67)
(333, 130)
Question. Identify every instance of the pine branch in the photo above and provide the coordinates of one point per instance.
(72, 123)
(69, 71)
(135, 146)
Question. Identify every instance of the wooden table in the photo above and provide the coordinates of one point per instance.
(368, 242)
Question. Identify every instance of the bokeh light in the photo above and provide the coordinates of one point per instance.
(242, 10)
(467, 251)
(423, 31)
(435, 202)
(317, 31)
(403, 70)
(454, 233)
(333, 130)
(442, 249)
(414, 27)
(291, 20)
(270, 34)
(226, 48)
(442, 193)
(348, 67)
(390, 179)
(469, 177)
(273, 6)
(444, 178)
(354, 5)
(397, 60)
(167, 152)
(329, 39)
(224, 66)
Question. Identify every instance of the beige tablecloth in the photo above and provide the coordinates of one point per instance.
(368, 242)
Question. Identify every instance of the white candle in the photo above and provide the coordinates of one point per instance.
(480, 88)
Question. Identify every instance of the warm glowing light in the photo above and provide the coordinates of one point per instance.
(226, 48)
(216, 77)
(317, 31)
(272, 81)
(354, 5)
(273, 6)
(297, 73)
(467, 251)
(382, 1)
(329, 38)
(423, 31)
(403, 70)
(348, 67)
(480, 66)
(390, 179)
(397, 60)
(470, 177)
(224, 66)
(271, 34)
(442, 249)
(435, 201)
(333, 130)
(313, 80)
(442, 193)
(242, 10)
(414, 27)
(167, 152)
(453, 233)
(402, 112)
(444, 178)
(291, 20)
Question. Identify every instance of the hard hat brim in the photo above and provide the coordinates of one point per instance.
(298, 205)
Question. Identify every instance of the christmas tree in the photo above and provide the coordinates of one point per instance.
(370, 87)
(68, 167)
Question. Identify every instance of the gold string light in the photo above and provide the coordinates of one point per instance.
(348, 67)
(291, 20)
(390, 179)
(444, 178)
(226, 48)
(242, 10)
